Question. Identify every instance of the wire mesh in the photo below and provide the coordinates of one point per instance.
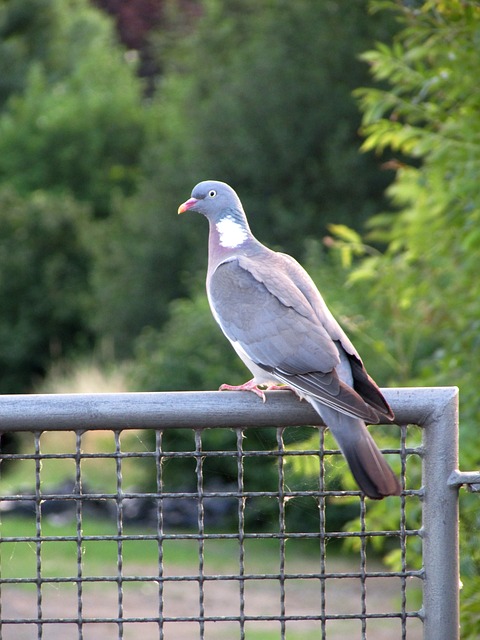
(223, 533)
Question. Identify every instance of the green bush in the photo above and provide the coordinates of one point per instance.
(44, 295)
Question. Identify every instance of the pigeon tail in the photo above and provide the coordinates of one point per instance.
(367, 464)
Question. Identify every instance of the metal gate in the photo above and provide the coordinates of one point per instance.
(119, 562)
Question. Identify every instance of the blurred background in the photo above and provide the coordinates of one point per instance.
(350, 130)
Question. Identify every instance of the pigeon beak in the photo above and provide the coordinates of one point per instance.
(187, 205)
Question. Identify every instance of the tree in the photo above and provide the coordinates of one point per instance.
(27, 29)
(75, 122)
(256, 94)
(43, 284)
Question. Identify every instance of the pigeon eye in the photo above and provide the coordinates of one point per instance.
(212, 193)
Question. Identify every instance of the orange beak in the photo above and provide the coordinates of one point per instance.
(187, 205)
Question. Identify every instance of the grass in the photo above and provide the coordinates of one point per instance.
(59, 558)
(97, 473)
(181, 558)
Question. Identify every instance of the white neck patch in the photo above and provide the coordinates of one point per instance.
(231, 233)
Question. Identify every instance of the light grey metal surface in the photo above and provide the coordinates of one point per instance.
(187, 409)
(440, 518)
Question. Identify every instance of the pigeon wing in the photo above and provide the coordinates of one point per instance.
(365, 386)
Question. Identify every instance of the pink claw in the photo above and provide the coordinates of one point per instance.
(251, 385)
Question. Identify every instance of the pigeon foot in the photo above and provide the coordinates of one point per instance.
(258, 390)
(250, 385)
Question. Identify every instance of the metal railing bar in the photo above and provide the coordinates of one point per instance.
(86, 497)
(191, 454)
(246, 618)
(216, 536)
(219, 577)
(199, 410)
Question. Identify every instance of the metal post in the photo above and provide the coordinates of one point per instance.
(440, 518)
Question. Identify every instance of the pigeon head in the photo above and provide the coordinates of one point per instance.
(222, 207)
(213, 199)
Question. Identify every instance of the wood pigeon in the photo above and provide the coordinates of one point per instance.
(278, 323)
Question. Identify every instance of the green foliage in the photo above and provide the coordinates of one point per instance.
(77, 118)
(27, 29)
(43, 284)
(434, 238)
